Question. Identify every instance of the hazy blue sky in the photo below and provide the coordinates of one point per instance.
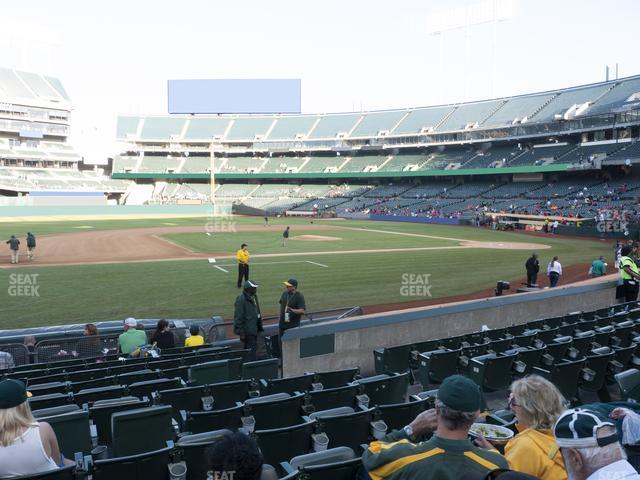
(115, 57)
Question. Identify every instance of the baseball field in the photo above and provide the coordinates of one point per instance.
(92, 269)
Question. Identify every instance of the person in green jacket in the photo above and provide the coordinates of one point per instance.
(598, 267)
(247, 321)
(448, 454)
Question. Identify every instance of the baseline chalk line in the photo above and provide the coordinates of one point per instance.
(318, 264)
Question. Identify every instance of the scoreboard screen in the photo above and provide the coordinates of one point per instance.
(234, 96)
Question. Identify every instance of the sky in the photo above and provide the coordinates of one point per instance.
(115, 57)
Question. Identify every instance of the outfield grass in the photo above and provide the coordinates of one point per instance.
(194, 289)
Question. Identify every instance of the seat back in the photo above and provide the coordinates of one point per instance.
(281, 444)
(331, 455)
(185, 398)
(137, 376)
(48, 412)
(144, 389)
(193, 449)
(598, 361)
(398, 415)
(344, 470)
(151, 465)
(227, 394)
(347, 430)
(141, 430)
(492, 372)
(47, 401)
(301, 383)
(333, 397)
(210, 372)
(629, 384)
(337, 378)
(48, 388)
(392, 359)
(198, 422)
(90, 395)
(101, 415)
(277, 413)
(265, 369)
(73, 432)
(435, 366)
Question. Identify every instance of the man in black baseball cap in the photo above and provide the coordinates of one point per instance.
(12, 393)
(448, 454)
(247, 320)
(590, 447)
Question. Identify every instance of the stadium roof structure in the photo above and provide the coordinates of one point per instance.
(32, 89)
(268, 131)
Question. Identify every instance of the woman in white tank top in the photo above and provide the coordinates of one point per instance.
(26, 446)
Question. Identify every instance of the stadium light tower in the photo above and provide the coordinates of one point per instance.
(466, 17)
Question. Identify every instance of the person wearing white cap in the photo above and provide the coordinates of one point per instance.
(590, 447)
(131, 338)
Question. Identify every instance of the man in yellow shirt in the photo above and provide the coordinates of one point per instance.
(243, 264)
(195, 340)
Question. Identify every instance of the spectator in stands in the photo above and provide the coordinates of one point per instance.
(26, 446)
(629, 273)
(163, 336)
(14, 248)
(554, 271)
(537, 404)
(235, 456)
(242, 256)
(590, 447)
(247, 321)
(533, 267)
(30, 342)
(448, 455)
(598, 267)
(292, 306)
(132, 338)
(31, 245)
(91, 345)
(6, 361)
(195, 339)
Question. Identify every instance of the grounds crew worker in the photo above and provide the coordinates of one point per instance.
(448, 454)
(243, 264)
(292, 307)
(31, 245)
(247, 321)
(630, 275)
(14, 247)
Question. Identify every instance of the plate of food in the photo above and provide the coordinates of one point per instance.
(495, 434)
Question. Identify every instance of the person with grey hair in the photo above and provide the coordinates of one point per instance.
(448, 454)
(590, 447)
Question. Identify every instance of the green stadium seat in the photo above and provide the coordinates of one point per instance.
(452, 343)
(76, 387)
(73, 432)
(151, 465)
(47, 412)
(524, 339)
(281, 444)
(392, 359)
(603, 335)
(302, 383)
(48, 401)
(336, 378)
(65, 473)
(333, 397)
(265, 369)
(275, 411)
(398, 415)
(188, 399)
(500, 346)
(179, 372)
(340, 463)
(623, 358)
(565, 375)
(214, 372)
(526, 359)
(144, 389)
(344, 429)
(624, 333)
(137, 376)
(492, 372)
(581, 344)
(141, 430)
(547, 336)
(92, 374)
(198, 422)
(598, 361)
(48, 388)
(192, 449)
(102, 410)
(435, 366)
(90, 395)
(494, 334)
(385, 389)
(629, 384)
(556, 351)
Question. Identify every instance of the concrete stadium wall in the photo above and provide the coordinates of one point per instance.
(349, 343)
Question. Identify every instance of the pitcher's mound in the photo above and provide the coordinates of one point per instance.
(315, 238)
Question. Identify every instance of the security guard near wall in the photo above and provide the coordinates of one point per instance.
(242, 256)
(630, 274)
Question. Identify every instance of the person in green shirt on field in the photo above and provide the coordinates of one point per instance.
(132, 338)
(598, 267)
